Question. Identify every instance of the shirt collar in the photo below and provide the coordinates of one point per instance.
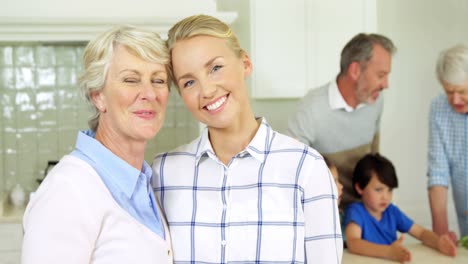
(336, 100)
(257, 148)
(112, 167)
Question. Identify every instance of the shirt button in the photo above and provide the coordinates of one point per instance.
(168, 252)
(223, 242)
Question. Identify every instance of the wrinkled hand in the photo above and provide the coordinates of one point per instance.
(452, 236)
(399, 252)
(446, 245)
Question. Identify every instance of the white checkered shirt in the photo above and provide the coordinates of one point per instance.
(275, 202)
(448, 154)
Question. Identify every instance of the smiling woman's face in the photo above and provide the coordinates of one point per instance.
(134, 98)
(211, 80)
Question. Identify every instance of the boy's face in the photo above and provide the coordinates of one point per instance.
(339, 186)
(376, 196)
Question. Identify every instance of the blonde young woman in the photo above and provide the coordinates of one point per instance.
(96, 205)
(241, 192)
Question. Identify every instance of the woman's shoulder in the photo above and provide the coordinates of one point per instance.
(69, 179)
(185, 151)
(284, 141)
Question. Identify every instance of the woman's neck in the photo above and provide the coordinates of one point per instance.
(228, 142)
(131, 152)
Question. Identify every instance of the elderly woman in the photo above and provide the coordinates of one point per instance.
(96, 205)
(447, 151)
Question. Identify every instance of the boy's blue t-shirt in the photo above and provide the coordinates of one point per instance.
(380, 232)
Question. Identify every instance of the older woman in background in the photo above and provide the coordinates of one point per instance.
(96, 205)
(448, 141)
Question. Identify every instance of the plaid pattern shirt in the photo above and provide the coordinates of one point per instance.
(448, 154)
(275, 202)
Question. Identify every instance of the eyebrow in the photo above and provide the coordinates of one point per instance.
(139, 73)
(208, 63)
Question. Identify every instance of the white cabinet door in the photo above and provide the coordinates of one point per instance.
(330, 25)
(296, 44)
(11, 238)
(277, 48)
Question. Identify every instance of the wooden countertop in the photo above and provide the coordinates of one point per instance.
(419, 254)
(11, 214)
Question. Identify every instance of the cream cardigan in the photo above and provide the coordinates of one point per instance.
(73, 218)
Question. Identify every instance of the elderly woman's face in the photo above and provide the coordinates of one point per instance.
(457, 96)
(133, 100)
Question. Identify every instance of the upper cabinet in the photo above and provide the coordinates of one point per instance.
(296, 45)
(53, 20)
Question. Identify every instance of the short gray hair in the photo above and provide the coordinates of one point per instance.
(360, 48)
(452, 65)
(97, 55)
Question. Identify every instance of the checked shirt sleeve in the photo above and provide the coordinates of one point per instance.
(438, 165)
(323, 239)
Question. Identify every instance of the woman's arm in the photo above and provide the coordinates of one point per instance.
(323, 240)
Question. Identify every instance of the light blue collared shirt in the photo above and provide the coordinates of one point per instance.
(130, 187)
(448, 155)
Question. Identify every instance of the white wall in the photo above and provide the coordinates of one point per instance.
(420, 29)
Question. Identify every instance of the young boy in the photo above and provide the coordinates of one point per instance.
(371, 225)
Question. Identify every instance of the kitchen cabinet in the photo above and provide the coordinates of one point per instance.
(11, 237)
(52, 20)
(11, 232)
(296, 45)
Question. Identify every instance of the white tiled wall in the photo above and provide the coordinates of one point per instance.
(42, 110)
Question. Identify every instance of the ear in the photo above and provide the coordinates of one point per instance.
(358, 189)
(98, 100)
(247, 64)
(354, 70)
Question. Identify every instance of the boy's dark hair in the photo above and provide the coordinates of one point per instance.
(374, 164)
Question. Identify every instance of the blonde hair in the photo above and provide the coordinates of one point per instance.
(146, 45)
(202, 25)
(452, 65)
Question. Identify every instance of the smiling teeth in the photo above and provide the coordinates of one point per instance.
(217, 104)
